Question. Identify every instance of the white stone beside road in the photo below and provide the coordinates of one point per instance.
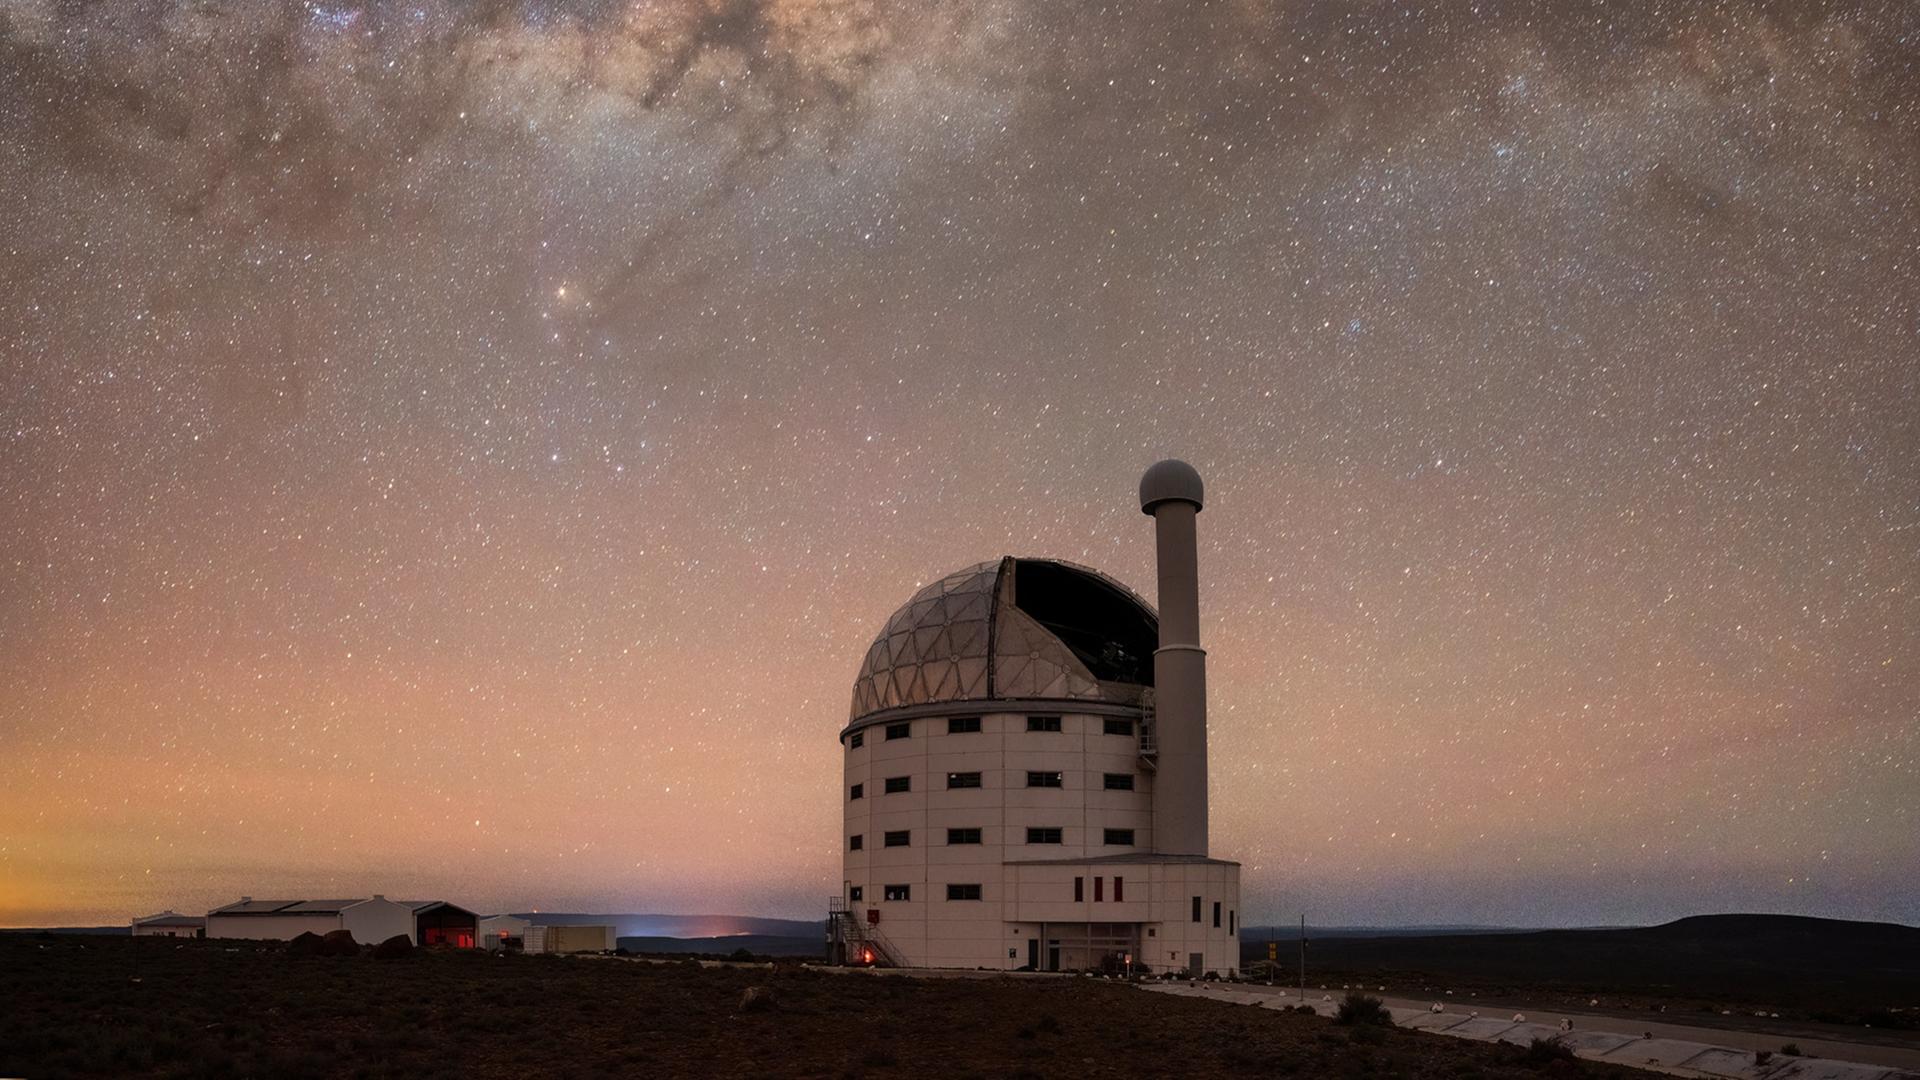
(1671, 1048)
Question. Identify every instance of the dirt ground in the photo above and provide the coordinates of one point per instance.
(94, 1006)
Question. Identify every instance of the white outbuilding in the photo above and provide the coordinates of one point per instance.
(370, 920)
(1025, 772)
(504, 932)
(170, 924)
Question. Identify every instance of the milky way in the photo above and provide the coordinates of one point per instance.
(465, 448)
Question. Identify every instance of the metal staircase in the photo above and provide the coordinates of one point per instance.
(851, 940)
(1149, 745)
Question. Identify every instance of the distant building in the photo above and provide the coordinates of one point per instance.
(370, 921)
(504, 932)
(170, 924)
(1025, 771)
(436, 922)
(570, 939)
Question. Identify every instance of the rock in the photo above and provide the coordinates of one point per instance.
(757, 999)
(307, 944)
(339, 943)
(397, 947)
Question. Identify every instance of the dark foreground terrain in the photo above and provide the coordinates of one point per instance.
(88, 1006)
(1847, 980)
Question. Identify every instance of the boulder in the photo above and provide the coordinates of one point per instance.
(339, 943)
(307, 944)
(397, 947)
(757, 999)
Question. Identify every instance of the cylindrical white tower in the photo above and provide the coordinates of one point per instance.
(1171, 492)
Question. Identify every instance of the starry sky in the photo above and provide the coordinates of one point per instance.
(464, 447)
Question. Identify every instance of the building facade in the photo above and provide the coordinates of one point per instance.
(170, 924)
(1015, 794)
(370, 920)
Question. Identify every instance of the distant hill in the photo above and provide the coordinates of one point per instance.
(1292, 933)
(1783, 959)
(683, 926)
(122, 930)
(757, 944)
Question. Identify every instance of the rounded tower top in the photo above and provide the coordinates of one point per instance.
(1171, 480)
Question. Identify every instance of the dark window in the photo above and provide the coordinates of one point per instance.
(1231, 926)
(1099, 889)
(1216, 914)
(856, 894)
(1079, 889)
(1118, 727)
(963, 779)
(856, 841)
(963, 836)
(859, 791)
(1050, 836)
(963, 725)
(1119, 781)
(1043, 779)
(1120, 837)
(963, 892)
(1043, 723)
(857, 740)
(902, 730)
(898, 784)
(896, 892)
(899, 838)
(1119, 889)
(1196, 909)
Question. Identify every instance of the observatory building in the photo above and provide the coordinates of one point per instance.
(1026, 771)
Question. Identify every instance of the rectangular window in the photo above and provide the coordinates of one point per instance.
(1120, 837)
(1079, 889)
(898, 784)
(1119, 889)
(1043, 723)
(963, 779)
(899, 838)
(1119, 781)
(1115, 726)
(1043, 779)
(856, 894)
(963, 725)
(1231, 925)
(1099, 889)
(1216, 914)
(897, 892)
(963, 892)
(859, 791)
(857, 740)
(1196, 909)
(856, 842)
(901, 730)
(963, 836)
(1052, 836)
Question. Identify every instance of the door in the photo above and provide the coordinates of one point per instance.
(1196, 964)
(1033, 953)
(1053, 957)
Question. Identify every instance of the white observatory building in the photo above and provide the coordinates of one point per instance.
(1026, 771)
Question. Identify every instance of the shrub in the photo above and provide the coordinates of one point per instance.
(740, 956)
(1546, 1052)
(1761, 1057)
(1791, 1050)
(1360, 1008)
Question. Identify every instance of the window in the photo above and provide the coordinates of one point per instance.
(856, 842)
(898, 784)
(900, 838)
(1043, 723)
(1119, 889)
(857, 740)
(1231, 926)
(1196, 909)
(963, 892)
(901, 730)
(1043, 779)
(1099, 889)
(963, 836)
(1119, 781)
(859, 791)
(1216, 914)
(1120, 837)
(1115, 726)
(963, 779)
(856, 894)
(963, 725)
(1052, 836)
(1079, 889)
(896, 892)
